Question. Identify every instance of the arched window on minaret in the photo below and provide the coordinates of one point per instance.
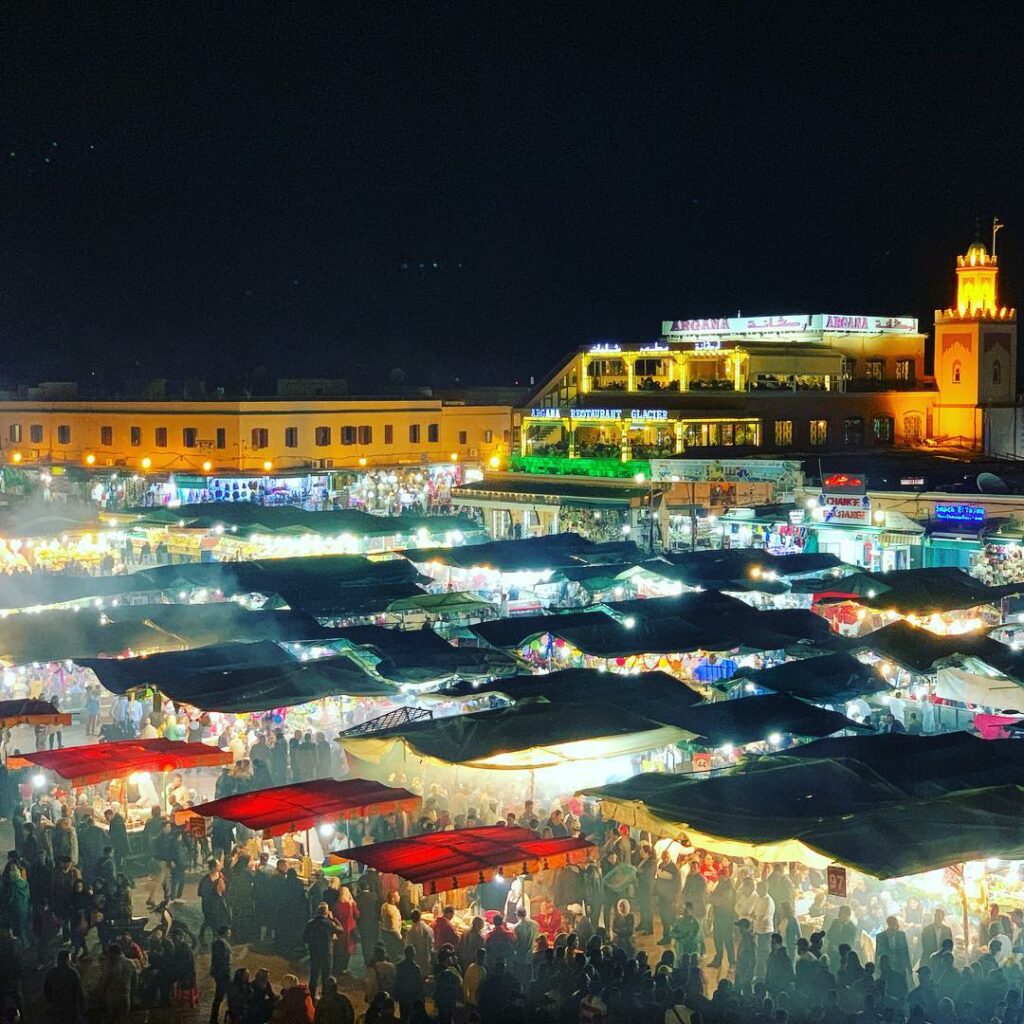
(997, 372)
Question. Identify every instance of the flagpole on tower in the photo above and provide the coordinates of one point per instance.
(997, 226)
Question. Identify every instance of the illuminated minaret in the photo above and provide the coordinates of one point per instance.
(977, 280)
(975, 354)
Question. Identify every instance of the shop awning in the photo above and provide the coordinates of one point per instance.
(302, 805)
(97, 762)
(831, 679)
(440, 861)
(532, 554)
(354, 602)
(31, 712)
(715, 568)
(695, 606)
(980, 688)
(525, 736)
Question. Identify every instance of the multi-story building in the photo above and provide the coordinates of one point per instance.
(785, 384)
(193, 450)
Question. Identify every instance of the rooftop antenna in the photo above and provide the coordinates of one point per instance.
(997, 226)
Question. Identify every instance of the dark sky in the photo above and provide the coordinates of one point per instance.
(208, 193)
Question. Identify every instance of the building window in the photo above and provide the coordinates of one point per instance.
(819, 433)
(389, 433)
(506, 436)
(107, 436)
(291, 437)
(488, 437)
(189, 437)
(260, 437)
(912, 427)
(14, 433)
(853, 431)
(366, 435)
(956, 373)
(321, 437)
(64, 434)
(463, 436)
(348, 435)
(997, 372)
(35, 433)
(433, 433)
(905, 370)
(874, 369)
(414, 433)
(883, 429)
(160, 435)
(783, 433)
(222, 438)
(135, 436)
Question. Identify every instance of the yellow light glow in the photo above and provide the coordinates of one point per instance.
(207, 466)
(90, 459)
(455, 456)
(494, 462)
(16, 457)
(267, 466)
(146, 462)
(362, 460)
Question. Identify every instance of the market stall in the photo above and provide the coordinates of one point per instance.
(441, 861)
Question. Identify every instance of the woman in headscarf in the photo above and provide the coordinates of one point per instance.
(19, 904)
(623, 926)
(470, 943)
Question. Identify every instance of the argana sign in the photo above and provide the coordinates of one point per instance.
(835, 323)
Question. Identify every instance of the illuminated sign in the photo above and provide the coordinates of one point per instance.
(844, 483)
(606, 347)
(846, 508)
(840, 323)
(648, 415)
(654, 346)
(546, 414)
(960, 513)
(595, 414)
(707, 345)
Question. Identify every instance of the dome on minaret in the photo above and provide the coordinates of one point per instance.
(976, 254)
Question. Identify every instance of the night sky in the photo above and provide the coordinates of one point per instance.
(472, 190)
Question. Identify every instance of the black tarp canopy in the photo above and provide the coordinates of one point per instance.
(149, 628)
(519, 737)
(249, 518)
(922, 651)
(696, 606)
(831, 679)
(532, 554)
(717, 568)
(919, 591)
(264, 687)
(703, 627)
(654, 695)
(849, 809)
(754, 719)
(315, 579)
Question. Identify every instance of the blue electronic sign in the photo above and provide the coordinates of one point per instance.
(960, 514)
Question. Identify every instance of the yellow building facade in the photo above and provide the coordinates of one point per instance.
(253, 436)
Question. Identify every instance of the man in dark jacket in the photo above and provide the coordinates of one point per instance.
(318, 936)
(368, 903)
(494, 994)
(63, 990)
(666, 893)
(117, 836)
(408, 983)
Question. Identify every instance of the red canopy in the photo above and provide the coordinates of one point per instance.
(31, 712)
(469, 856)
(83, 766)
(299, 806)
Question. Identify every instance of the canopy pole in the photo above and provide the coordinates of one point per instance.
(963, 906)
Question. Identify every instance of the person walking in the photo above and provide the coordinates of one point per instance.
(408, 983)
(220, 970)
(666, 892)
(318, 936)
